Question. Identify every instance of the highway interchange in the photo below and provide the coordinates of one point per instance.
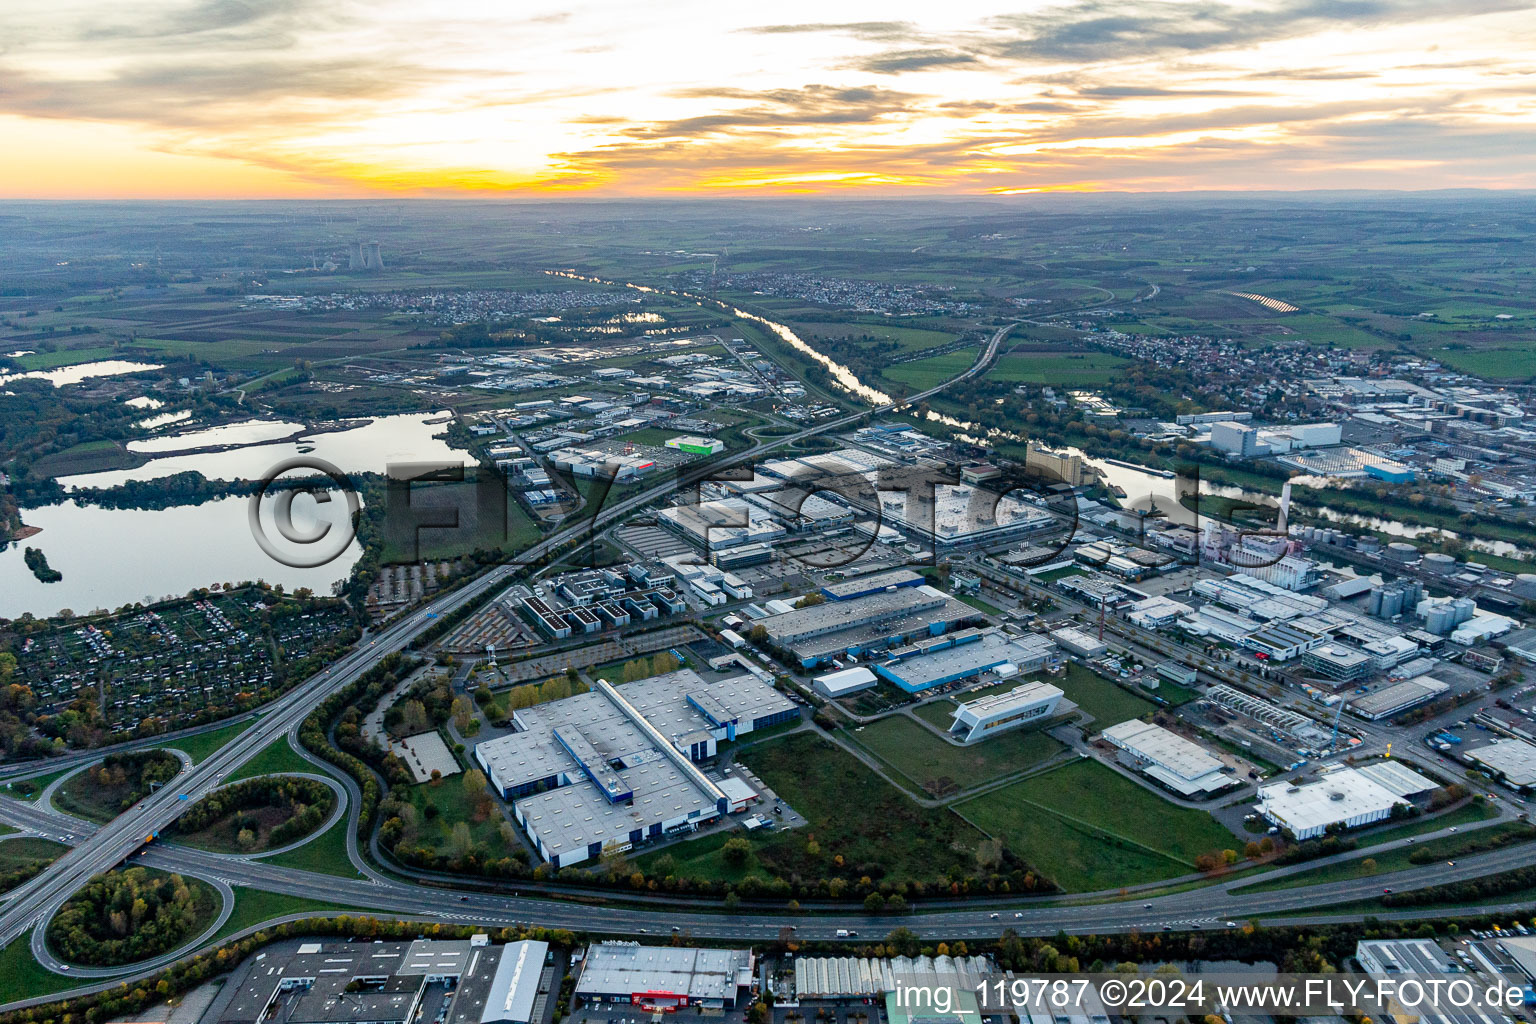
(99, 848)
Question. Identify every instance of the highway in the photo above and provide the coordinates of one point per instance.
(36, 901)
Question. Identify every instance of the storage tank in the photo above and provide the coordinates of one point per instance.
(1399, 551)
(1440, 620)
(1439, 564)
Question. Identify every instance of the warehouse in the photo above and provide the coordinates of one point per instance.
(963, 516)
(1345, 798)
(842, 684)
(1028, 704)
(726, 523)
(384, 983)
(1075, 641)
(1169, 759)
(965, 655)
(1397, 698)
(866, 585)
(1512, 760)
(616, 767)
(663, 979)
(1425, 962)
(824, 632)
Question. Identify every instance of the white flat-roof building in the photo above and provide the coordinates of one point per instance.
(616, 767)
(1344, 798)
(848, 681)
(664, 978)
(1084, 645)
(1168, 758)
(1023, 705)
(1515, 760)
(965, 655)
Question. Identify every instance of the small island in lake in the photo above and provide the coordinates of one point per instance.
(38, 563)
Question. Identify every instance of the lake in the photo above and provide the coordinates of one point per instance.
(111, 557)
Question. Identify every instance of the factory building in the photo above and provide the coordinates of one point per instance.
(967, 654)
(848, 977)
(664, 979)
(726, 523)
(1028, 704)
(1235, 439)
(1397, 698)
(1345, 798)
(467, 982)
(616, 767)
(866, 585)
(1169, 759)
(829, 631)
(1075, 641)
(1422, 960)
(1512, 760)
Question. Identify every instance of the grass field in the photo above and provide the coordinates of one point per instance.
(326, 854)
(1107, 703)
(1088, 828)
(26, 855)
(22, 977)
(911, 339)
(853, 814)
(31, 789)
(941, 768)
(204, 743)
(253, 906)
(275, 758)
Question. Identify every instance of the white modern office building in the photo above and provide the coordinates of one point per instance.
(1023, 705)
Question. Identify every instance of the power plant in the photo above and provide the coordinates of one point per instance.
(365, 256)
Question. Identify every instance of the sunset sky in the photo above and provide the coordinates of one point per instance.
(239, 98)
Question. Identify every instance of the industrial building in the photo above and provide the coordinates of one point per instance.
(1169, 759)
(664, 979)
(1512, 760)
(960, 515)
(1345, 798)
(966, 654)
(616, 767)
(726, 523)
(695, 445)
(866, 585)
(1339, 662)
(1023, 705)
(845, 682)
(1420, 959)
(849, 977)
(835, 629)
(473, 981)
(1397, 698)
(1077, 642)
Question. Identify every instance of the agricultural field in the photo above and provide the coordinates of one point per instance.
(1058, 369)
(925, 373)
(1089, 828)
